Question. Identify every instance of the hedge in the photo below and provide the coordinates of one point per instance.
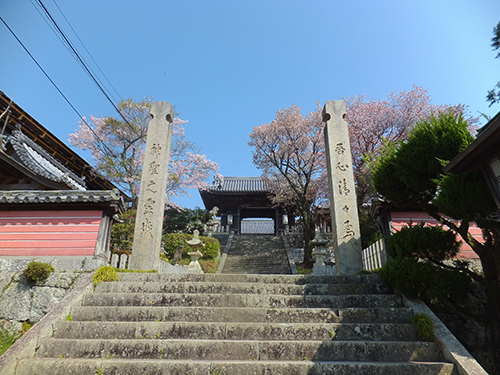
(174, 240)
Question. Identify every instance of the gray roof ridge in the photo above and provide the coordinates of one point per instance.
(60, 196)
(19, 142)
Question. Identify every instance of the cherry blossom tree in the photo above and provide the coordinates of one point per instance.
(290, 152)
(117, 149)
(290, 149)
(373, 123)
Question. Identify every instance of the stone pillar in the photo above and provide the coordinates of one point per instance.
(150, 210)
(343, 207)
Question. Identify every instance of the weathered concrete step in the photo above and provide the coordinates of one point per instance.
(248, 278)
(236, 331)
(235, 314)
(251, 350)
(170, 367)
(239, 287)
(269, 269)
(241, 300)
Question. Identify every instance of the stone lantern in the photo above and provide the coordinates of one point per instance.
(319, 243)
(196, 244)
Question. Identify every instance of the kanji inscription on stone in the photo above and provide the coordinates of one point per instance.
(150, 209)
(344, 213)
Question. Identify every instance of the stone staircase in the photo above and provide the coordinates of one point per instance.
(256, 254)
(237, 324)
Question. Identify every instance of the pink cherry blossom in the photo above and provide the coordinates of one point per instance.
(117, 150)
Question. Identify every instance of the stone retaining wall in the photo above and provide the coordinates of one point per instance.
(21, 301)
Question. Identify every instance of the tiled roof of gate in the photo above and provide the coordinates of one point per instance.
(239, 185)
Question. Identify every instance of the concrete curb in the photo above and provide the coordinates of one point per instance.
(224, 253)
(453, 350)
(289, 255)
(27, 345)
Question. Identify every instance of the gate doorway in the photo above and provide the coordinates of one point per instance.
(240, 200)
(257, 226)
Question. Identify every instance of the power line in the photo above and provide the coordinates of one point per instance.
(84, 65)
(53, 26)
(109, 152)
(88, 52)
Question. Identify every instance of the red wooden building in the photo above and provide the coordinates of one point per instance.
(52, 203)
(391, 219)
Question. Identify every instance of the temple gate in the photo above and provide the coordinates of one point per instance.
(239, 198)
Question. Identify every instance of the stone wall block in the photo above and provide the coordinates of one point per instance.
(15, 303)
(5, 280)
(44, 299)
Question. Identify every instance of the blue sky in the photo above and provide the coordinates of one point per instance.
(228, 66)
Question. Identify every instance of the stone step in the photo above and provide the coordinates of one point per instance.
(250, 350)
(257, 255)
(253, 269)
(241, 300)
(192, 367)
(203, 287)
(248, 278)
(236, 331)
(235, 314)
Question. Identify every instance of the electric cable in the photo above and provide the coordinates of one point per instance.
(110, 153)
(84, 65)
(61, 36)
(88, 52)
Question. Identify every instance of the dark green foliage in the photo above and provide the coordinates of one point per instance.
(38, 271)
(423, 279)
(464, 196)
(174, 240)
(424, 326)
(185, 220)
(367, 227)
(495, 41)
(493, 95)
(385, 179)
(122, 234)
(421, 242)
(407, 174)
(411, 176)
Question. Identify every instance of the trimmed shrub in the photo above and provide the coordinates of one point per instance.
(173, 240)
(421, 242)
(211, 249)
(425, 280)
(37, 272)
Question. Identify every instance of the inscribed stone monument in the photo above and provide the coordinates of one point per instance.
(150, 209)
(344, 211)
